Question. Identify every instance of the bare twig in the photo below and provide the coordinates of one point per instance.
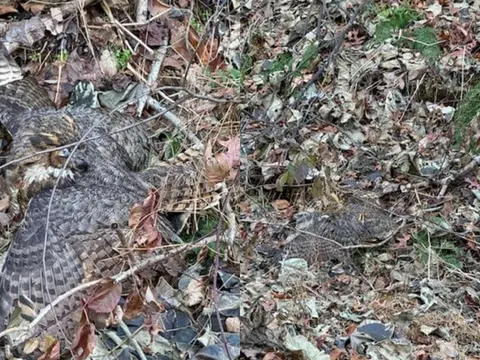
(321, 12)
(142, 11)
(231, 220)
(125, 244)
(129, 335)
(202, 97)
(134, 37)
(153, 76)
(215, 276)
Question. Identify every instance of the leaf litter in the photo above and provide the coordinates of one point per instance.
(390, 113)
(165, 316)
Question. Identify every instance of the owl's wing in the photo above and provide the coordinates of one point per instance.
(29, 282)
(39, 276)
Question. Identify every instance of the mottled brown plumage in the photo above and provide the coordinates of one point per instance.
(80, 244)
(320, 237)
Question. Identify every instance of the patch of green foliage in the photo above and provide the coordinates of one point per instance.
(465, 113)
(122, 56)
(425, 40)
(62, 56)
(394, 19)
(445, 249)
(232, 77)
(239, 75)
(206, 225)
(311, 52)
(205, 14)
(173, 144)
(36, 57)
(296, 171)
(291, 66)
(283, 62)
(195, 24)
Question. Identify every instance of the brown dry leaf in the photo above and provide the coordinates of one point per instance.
(403, 241)
(209, 54)
(142, 220)
(216, 168)
(194, 293)
(85, 339)
(157, 34)
(31, 345)
(337, 354)
(134, 305)
(471, 242)
(7, 8)
(272, 356)
(177, 40)
(52, 353)
(106, 298)
(233, 153)
(202, 254)
(280, 204)
(159, 7)
(152, 316)
(245, 207)
(34, 8)
(175, 62)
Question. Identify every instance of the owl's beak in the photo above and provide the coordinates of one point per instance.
(80, 165)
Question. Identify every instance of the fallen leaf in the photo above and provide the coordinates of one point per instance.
(403, 241)
(272, 356)
(194, 293)
(280, 204)
(6, 9)
(34, 8)
(52, 353)
(338, 354)
(216, 167)
(85, 339)
(134, 305)
(142, 220)
(106, 298)
(31, 345)
(233, 154)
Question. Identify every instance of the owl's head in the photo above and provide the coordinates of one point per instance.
(40, 156)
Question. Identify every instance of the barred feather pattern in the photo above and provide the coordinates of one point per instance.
(80, 244)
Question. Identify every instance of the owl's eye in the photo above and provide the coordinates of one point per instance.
(65, 153)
